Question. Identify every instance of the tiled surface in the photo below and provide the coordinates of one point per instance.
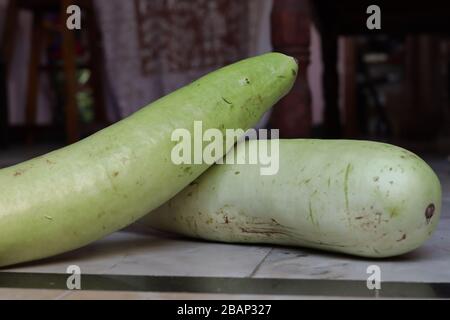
(125, 253)
(117, 295)
(138, 254)
(30, 294)
(26, 294)
(430, 263)
(83, 295)
(156, 254)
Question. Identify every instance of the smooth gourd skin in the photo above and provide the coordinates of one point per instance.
(75, 195)
(358, 197)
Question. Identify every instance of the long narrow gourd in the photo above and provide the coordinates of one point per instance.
(358, 197)
(75, 195)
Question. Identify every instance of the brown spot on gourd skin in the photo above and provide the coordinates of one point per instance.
(394, 212)
(101, 214)
(267, 232)
(429, 212)
(17, 173)
(376, 251)
(275, 221)
(348, 169)
(187, 170)
(378, 214)
(226, 101)
(402, 238)
(115, 174)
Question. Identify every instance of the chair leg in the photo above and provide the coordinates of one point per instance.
(3, 106)
(95, 64)
(291, 35)
(9, 34)
(6, 51)
(330, 82)
(33, 77)
(70, 80)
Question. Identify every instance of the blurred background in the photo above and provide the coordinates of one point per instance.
(59, 85)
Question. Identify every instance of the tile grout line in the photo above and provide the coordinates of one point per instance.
(258, 266)
(63, 295)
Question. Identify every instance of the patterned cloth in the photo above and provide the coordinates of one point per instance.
(154, 47)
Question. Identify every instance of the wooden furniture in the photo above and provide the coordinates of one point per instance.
(332, 18)
(3, 105)
(38, 41)
(336, 18)
(291, 35)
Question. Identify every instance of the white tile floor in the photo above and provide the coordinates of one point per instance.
(31, 294)
(127, 253)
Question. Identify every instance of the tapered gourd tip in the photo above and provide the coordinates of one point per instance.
(293, 63)
(290, 63)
